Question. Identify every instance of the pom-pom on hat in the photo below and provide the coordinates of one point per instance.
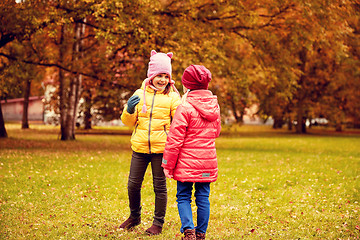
(196, 77)
(159, 63)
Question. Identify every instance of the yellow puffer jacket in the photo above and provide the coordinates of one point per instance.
(152, 127)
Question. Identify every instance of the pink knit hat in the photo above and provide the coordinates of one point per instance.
(159, 63)
(196, 77)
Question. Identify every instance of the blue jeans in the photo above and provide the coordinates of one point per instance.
(202, 192)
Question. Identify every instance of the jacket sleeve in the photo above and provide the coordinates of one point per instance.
(218, 125)
(127, 118)
(175, 138)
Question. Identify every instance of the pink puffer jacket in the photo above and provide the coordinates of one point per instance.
(190, 153)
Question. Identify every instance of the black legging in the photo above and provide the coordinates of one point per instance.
(139, 163)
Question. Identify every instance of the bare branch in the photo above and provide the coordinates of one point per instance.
(93, 76)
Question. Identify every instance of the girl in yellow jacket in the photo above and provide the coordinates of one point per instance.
(150, 110)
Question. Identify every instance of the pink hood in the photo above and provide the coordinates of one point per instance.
(205, 103)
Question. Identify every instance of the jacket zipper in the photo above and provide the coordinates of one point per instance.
(165, 130)
(152, 107)
(135, 128)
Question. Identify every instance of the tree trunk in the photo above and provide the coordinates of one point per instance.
(25, 118)
(278, 123)
(65, 128)
(3, 133)
(290, 124)
(338, 126)
(303, 125)
(70, 100)
(70, 118)
(87, 110)
(77, 80)
(300, 126)
(238, 117)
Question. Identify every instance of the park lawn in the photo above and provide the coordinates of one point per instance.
(271, 185)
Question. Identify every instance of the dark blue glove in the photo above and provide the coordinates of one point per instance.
(132, 102)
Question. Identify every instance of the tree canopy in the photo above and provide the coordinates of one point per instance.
(297, 60)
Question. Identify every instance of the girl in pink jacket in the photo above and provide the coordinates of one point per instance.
(190, 153)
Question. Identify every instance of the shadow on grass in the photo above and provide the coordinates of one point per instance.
(104, 131)
(57, 145)
(49, 139)
(268, 131)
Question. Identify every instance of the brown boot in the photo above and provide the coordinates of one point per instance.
(130, 222)
(200, 236)
(189, 234)
(153, 230)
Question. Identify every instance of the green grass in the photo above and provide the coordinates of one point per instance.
(271, 185)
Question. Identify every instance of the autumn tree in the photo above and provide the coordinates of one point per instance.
(197, 32)
(17, 23)
(30, 76)
(292, 56)
(344, 91)
(340, 103)
(115, 57)
(297, 45)
(105, 58)
(323, 50)
(63, 23)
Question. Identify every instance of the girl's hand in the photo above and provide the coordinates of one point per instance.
(168, 173)
(131, 104)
